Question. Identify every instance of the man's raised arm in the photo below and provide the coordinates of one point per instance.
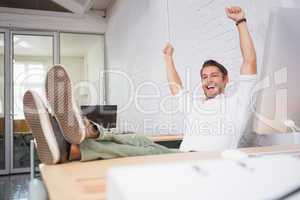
(173, 77)
(246, 43)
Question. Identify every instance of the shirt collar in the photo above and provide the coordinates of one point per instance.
(218, 97)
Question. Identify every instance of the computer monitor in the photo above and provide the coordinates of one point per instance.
(278, 92)
(106, 115)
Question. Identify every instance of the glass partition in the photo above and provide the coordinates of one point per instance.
(32, 56)
(2, 132)
(83, 57)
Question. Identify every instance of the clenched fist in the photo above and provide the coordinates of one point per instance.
(235, 13)
(168, 50)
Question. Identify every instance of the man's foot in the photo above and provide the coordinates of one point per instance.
(75, 153)
(60, 97)
(92, 130)
(51, 146)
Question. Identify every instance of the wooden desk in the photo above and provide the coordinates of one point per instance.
(165, 138)
(86, 180)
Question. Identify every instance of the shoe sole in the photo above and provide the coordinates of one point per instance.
(60, 97)
(35, 112)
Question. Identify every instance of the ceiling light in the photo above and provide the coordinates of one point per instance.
(16, 38)
(24, 44)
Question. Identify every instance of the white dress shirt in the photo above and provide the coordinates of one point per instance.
(217, 123)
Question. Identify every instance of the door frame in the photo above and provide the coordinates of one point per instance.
(7, 48)
(11, 84)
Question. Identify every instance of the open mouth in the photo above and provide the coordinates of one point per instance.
(211, 87)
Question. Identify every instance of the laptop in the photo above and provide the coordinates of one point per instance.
(105, 115)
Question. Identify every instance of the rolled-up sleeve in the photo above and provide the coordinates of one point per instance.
(245, 87)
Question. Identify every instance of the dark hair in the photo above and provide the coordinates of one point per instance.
(216, 64)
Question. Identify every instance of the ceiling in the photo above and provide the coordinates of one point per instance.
(75, 6)
(47, 5)
(101, 4)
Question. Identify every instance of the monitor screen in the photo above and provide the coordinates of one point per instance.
(105, 115)
(278, 94)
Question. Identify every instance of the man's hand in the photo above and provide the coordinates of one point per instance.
(246, 43)
(168, 50)
(235, 13)
(173, 77)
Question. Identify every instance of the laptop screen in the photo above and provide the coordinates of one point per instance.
(105, 115)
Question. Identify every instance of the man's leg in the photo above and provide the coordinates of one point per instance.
(51, 146)
(76, 131)
(106, 145)
(59, 94)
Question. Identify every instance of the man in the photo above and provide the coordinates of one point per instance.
(217, 121)
(67, 136)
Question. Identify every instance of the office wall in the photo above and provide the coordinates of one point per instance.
(136, 33)
(134, 39)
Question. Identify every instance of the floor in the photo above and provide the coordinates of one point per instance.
(14, 187)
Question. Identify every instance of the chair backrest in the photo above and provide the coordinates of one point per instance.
(21, 126)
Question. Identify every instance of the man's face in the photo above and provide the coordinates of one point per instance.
(213, 81)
